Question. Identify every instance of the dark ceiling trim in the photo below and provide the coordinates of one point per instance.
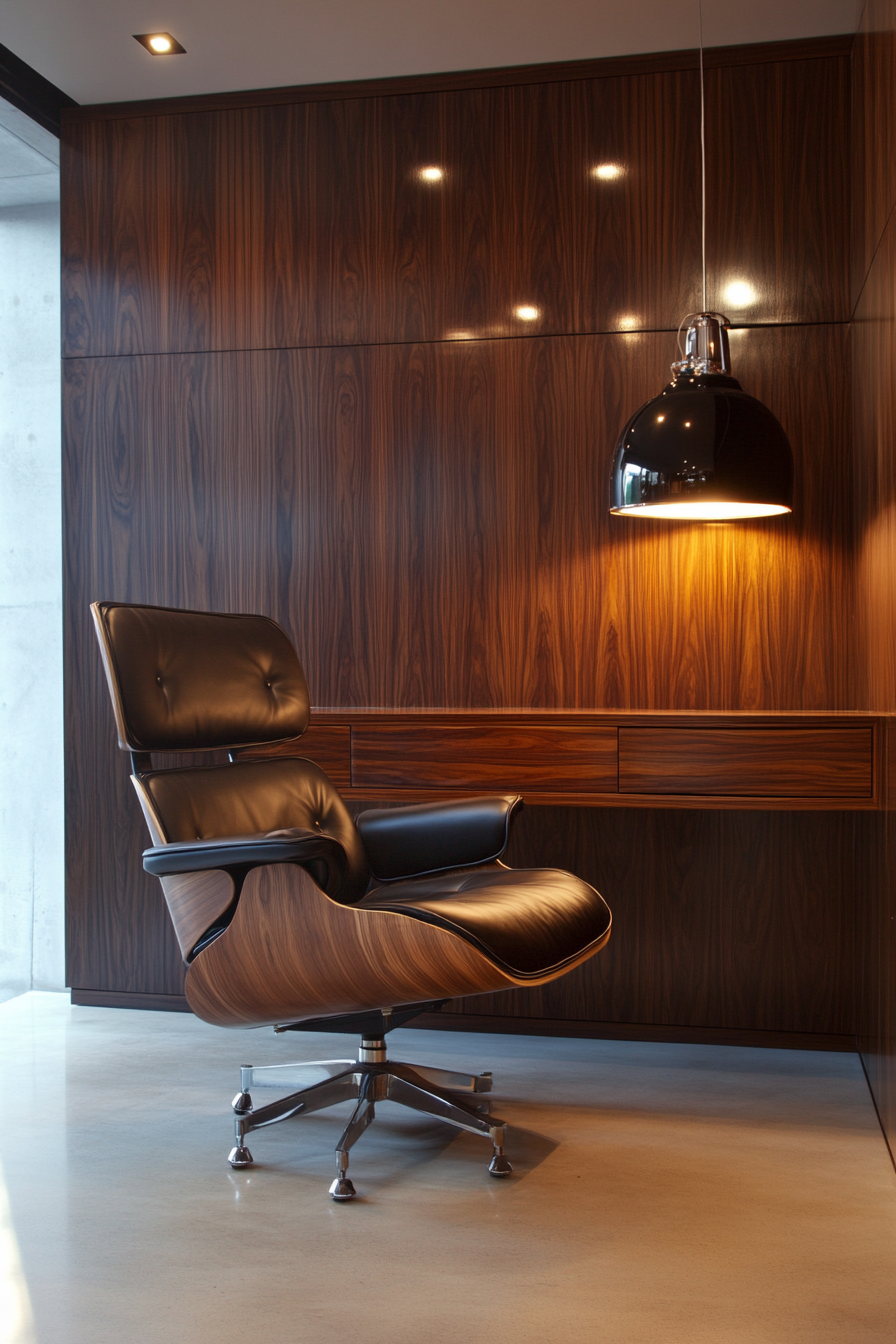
(30, 92)
(760, 53)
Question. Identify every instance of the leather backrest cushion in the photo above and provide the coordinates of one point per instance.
(253, 798)
(190, 680)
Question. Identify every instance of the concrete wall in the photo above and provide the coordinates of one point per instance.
(31, 763)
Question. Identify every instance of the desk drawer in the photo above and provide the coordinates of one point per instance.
(745, 762)
(494, 756)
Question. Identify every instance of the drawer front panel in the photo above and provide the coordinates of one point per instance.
(502, 757)
(745, 762)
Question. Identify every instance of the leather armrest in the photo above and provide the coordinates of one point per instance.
(296, 845)
(403, 842)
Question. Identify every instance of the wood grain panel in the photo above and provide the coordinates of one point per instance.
(787, 236)
(436, 554)
(307, 224)
(874, 444)
(876, 945)
(206, 238)
(873, 341)
(433, 553)
(874, 133)
(606, 1031)
(499, 756)
(195, 900)
(327, 744)
(732, 920)
(772, 762)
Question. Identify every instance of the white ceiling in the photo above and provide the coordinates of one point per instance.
(86, 47)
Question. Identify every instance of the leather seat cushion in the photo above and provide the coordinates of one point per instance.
(529, 921)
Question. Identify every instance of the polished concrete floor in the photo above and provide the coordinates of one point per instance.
(662, 1193)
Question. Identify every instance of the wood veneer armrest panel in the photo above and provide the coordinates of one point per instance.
(195, 901)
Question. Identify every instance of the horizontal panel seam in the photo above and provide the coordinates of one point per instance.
(479, 340)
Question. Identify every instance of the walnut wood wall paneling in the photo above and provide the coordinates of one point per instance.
(876, 947)
(778, 217)
(450, 544)
(874, 439)
(427, 517)
(119, 936)
(874, 133)
(873, 341)
(727, 919)
(434, 552)
(307, 224)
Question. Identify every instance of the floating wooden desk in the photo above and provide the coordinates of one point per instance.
(784, 761)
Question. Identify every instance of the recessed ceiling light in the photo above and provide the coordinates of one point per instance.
(160, 44)
(526, 312)
(607, 172)
(431, 174)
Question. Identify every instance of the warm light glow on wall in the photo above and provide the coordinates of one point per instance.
(431, 174)
(740, 295)
(526, 312)
(627, 322)
(608, 172)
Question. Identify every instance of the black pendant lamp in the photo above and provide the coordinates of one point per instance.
(703, 450)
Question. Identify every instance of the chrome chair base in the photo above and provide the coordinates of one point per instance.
(368, 1079)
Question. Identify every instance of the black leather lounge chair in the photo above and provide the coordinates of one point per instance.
(287, 912)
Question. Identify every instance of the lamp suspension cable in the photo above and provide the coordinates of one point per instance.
(702, 155)
(703, 450)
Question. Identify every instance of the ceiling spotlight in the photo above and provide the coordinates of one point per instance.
(526, 313)
(160, 44)
(431, 174)
(607, 172)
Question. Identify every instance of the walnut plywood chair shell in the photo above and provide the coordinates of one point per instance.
(290, 914)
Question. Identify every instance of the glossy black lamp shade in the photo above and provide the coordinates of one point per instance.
(702, 450)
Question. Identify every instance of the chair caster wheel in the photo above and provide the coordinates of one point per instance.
(240, 1157)
(342, 1189)
(499, 1166)
(242, 1103)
